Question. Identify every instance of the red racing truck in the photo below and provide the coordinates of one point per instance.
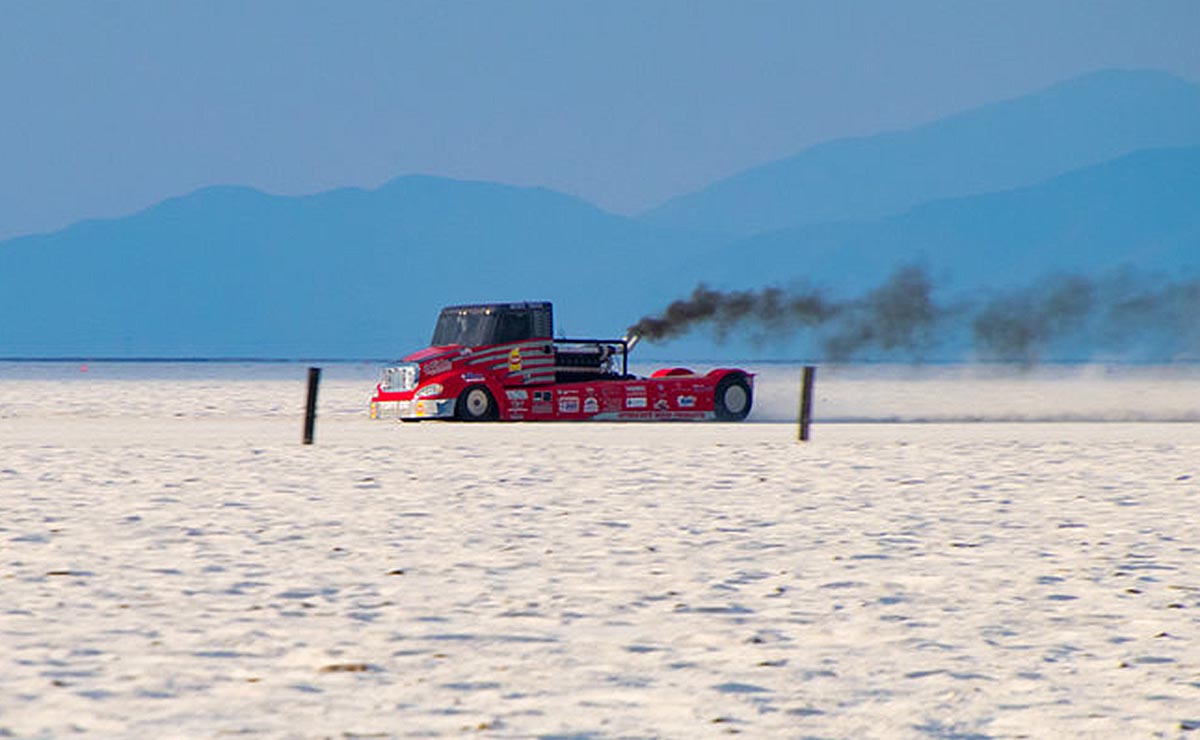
(500, 362)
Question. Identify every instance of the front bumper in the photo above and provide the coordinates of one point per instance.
(420, 408)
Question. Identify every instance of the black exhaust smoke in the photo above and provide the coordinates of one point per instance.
(770, 308)
(1125, 313)
(1018, 325)
(899, 314)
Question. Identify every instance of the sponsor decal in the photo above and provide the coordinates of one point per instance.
(568, 405)
(543, 396)
(591, 406)
(661, 415)
(472, 377)
(636, 390)
(436, 367)
(661, 404)
(514, 360)
(635, 403)
(517, 395)
(543, 408)
(685, 402)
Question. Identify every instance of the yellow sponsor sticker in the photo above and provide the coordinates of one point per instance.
(514, 360)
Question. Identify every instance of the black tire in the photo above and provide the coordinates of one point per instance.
(733, 398)
(475, 404)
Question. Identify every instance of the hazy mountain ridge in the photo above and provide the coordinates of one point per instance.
(1138, 210)
(231, 271)
(1080, 122)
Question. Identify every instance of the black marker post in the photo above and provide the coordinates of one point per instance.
(806, 389)
(310, 409)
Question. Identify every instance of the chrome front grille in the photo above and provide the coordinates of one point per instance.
(401, 377)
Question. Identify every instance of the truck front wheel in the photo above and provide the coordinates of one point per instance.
(475, 404)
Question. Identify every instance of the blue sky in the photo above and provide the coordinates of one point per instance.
(111, 106)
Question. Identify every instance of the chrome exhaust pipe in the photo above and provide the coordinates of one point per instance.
(631, 340)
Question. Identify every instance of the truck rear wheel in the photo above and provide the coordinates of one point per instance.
(475, 404)
(732, 398)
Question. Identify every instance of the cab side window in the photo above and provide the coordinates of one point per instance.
(513, 326)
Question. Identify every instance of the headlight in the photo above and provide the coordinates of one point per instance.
(432, 389)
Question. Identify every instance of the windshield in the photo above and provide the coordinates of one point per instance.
(468, 327)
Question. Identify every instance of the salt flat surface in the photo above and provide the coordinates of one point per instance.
(173, 563)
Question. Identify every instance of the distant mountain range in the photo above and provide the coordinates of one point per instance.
(1140, 210)
(1087, 177)
(234, 272)
(1081, 122)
